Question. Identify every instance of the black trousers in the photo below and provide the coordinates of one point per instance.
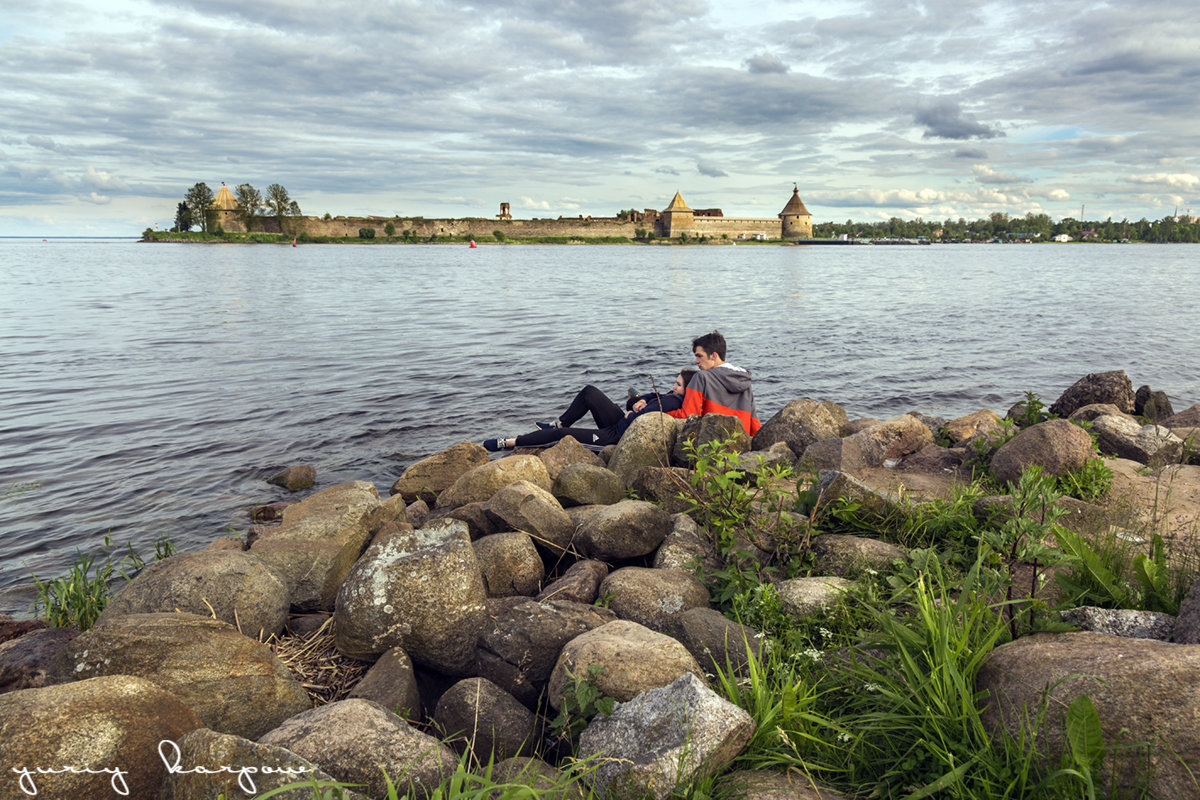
(589, 400)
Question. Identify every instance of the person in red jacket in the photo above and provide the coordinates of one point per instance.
(719, 388)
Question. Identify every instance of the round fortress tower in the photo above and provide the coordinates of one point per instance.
(797, 221)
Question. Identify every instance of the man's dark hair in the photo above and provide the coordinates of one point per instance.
(712, 343)
(687, 375)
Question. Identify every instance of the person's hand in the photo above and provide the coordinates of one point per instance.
(639, 405)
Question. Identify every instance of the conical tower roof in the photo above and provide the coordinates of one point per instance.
(225, 199)
(677, 204)
(795, 206)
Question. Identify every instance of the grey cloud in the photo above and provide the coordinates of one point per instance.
(971, 153)
(944, 119)
(665, 171)
(710, 169)
(765, 64)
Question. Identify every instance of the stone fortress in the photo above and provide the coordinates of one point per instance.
(793, 223)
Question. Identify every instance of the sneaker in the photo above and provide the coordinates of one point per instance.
(545, 426)
(495, 445)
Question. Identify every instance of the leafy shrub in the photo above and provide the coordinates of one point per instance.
(366, 233)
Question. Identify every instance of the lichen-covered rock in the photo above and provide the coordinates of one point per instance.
(1129, 622)
(631, 657)
(627, 529)
(1057, 446)
(891, 440)
(686, 546)
(1093, 410)
(482, 717)
(392, 683)
(106, 724)
(510, 564)
(664, 737)
(221, 766)
(524, 506)
(583, 484)
(477, 485)
(234, 684)
(318, 541)
(1153, 445)
(653, 597)
(430, 476)
(801, 423)
(807, 597)
(872, 503)
(358, 741)
(848, 556)
(421, 590)
(962, 429)
(238, 587)
(647, 442)
(1096, 387)
(518, 649)
(1143, 691)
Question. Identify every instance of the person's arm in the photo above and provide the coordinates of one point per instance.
(693, 398)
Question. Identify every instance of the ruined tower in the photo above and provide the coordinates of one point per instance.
(677, 218)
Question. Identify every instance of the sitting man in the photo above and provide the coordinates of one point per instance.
(718, 388)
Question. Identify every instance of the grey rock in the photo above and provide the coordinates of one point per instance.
(653, 597)
(585, 483)
(718, 642)
(800, 423)
(648, 442)
(25, 659)
(421, 590)
(1097, 387)
(391, 683)
(1153, 445)
(524, 506)
(480, 483)
(687, 546)
(1057, 446)
(567, 452)
(358, 741)
(696, 432)
(1187, 624)
(1152, 405)
(848, 556)
(1127, 622)
(807, 597)
(667, 487)
(430, 476)
(627, 529)
(664, 737)
(296, 478)
(579, 584)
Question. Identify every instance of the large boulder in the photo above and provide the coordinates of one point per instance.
(518, 649)
(1057, 446)
(845, 455)
(808, 597)
(318, 541)
(1188, 418)
(1152, 405)
(358, 741)
(485, 719)
(687, 546)
(627, 529)
(653, 597)
(1144, 691)
(873, 504)
(631, 659)
(510, 564)
(892, 439)
(430, 476)
(525, 506)
(1187, 624)
(1092, 411)
(718, 642)
(848, 556)
(647, 442)
(295, 478)
(1153, 445)
(699, 431)
(668, 487)
(1097, 387)
(421, 590)
(584, 484)
(1129, 622)
(962, 429)
(762, 784)
(221, 766)
(234, 684)
(110, 724)
(235, 586)
(477, 485)
(801, 423)
(664, 737)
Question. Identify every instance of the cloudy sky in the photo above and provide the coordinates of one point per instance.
(111, 109)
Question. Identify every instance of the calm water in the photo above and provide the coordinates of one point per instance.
(151, 389)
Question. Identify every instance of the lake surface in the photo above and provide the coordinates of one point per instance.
(150, 390)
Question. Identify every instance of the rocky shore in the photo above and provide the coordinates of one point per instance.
(468, 604)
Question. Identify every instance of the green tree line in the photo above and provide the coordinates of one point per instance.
(1036, 227)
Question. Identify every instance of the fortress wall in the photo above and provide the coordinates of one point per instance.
(478, 227)
(734, 227)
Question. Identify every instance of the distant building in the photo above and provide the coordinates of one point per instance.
(677, 219)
